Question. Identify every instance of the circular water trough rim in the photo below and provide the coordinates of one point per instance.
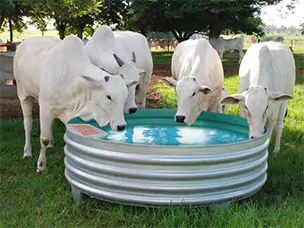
(169, 113)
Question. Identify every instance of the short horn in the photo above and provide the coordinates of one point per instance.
(118, 60)
(133, 57)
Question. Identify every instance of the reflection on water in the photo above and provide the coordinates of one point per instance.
(173, 135)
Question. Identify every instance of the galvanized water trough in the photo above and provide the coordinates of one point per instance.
(149, 174)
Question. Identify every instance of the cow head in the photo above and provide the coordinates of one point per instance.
(101, 51)
(106, 99)
(258, 104)
(132, 76)
(188, 92)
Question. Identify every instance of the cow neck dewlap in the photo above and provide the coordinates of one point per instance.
(83, 105)
(86, 107)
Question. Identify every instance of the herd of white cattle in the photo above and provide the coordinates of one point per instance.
(107, 76)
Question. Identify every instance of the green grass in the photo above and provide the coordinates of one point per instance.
(161, 59)
(230, 60)
(28, 199)
(26, 34)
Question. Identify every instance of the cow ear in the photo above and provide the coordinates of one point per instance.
(232, 99)
(205, 90)
(172, 82)
(141, 73)
(132, 83)
(90, 80)
(279, 96)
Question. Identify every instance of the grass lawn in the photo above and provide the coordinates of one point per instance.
(28, 199)
(26, 34)
(230, 60)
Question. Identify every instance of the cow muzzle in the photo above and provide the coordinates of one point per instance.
(132, 110)
(180, 119)
(121, 127)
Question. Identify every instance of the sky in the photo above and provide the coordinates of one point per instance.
(272, 15)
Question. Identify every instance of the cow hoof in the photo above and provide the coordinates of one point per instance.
(39, 171)
(27, 154)
(41, 167)
(50, 146)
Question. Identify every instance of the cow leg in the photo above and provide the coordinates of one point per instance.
(279, 125)
(51, 143)
(46, 119)
(224, 109)
(27, 109)
(221, 54)
(244, 84)
(141, 95)
(241, 54)
(270, 125)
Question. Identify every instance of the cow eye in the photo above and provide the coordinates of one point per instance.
(109, 97)
(193, 94)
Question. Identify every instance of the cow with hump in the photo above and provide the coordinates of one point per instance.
(125, 53)
(267, 79)
(67, 85)
(198, 76)
(222, 45)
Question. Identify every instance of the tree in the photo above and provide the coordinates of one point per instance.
(11, 13)
(75, 13)
(39, 17)
(186, 17)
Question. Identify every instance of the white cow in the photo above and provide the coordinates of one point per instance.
(102, 50)
(60, 75)
(222, 45)
(267, 79)
(128, 42)
(198, 75)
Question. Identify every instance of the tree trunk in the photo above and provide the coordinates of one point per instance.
(143, 31)
(79, 30)
(215, 30)
(61, 30)
(180, 36)
(10, 29)
(1, 21)
(42, 32)
(177, 36)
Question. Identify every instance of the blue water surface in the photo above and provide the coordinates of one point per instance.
(175, 135)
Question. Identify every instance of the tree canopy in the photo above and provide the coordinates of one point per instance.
(182, 18)
(186, 17)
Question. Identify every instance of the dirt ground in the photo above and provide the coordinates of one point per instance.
(11, 109)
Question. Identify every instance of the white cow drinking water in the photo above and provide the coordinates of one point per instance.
(198, 76)
(267, 79)
(222, 45)
(133, 51)
(60, 75)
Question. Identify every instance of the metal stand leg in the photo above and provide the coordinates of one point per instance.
(76, 194)
(221, 207)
